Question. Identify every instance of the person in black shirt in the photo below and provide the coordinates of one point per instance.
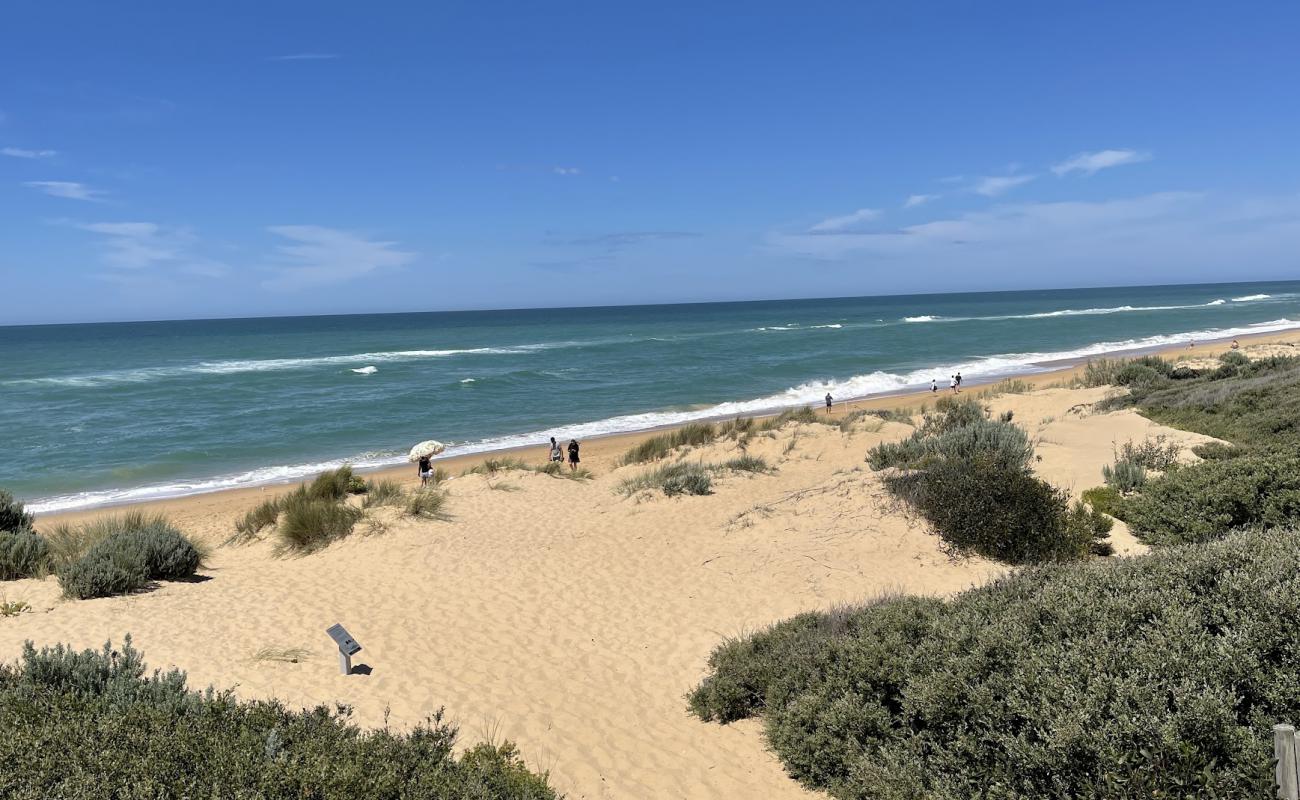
(573, 454)
(426, 470)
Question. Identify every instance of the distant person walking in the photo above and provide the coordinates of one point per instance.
(958, 380)
(952, 384)
(934, 386)
(573, 455)
(828, 402)
(556, 454)
(425, 468)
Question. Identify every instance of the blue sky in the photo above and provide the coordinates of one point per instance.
(171, 160)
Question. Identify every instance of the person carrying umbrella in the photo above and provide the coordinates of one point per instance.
(422, 454)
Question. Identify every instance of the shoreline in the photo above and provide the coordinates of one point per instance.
(602, 450)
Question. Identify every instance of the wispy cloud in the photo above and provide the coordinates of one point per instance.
(68, 189)
(318, 256)
(999, 184)
(848, 222)
(137, 245)
(20, 152)
(1089, 163)
(914, 200)
(566, 170)
(305, 57)
(622, 239)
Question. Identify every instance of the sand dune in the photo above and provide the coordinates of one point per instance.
(561, 614)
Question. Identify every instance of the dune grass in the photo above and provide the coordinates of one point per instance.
(284, 655)
(383, 493)
(427, 503)
(654, 448)
(308, 524)
(554, 469)
(684, 477)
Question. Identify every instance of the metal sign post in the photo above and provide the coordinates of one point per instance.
(348, 647)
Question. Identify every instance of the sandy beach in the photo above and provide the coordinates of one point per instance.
(565, 616)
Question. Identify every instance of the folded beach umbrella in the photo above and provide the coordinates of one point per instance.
(428, 448)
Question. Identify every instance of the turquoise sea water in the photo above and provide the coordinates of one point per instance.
(105, 413)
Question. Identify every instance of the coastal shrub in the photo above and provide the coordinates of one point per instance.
(654, 448)
(1218, 451)
(93, 724)
(492, 466)
(804, 415)
(1118, 679)
(1203, 501)
(991, 439)
(141, 549)
(984, 505)
(383, 493)
(1124, 476)
(309, 523)
(1154, 452)
(1105, 499)
(1101, 371)
(1234, 358)
(428, 503)
(23, 554)
(13, 516)
(1256, 404)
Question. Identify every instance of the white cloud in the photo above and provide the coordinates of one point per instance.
(138, 245)
(305, 57)
(566, 170)
(914, 200)
(848, 222)
(1089, 163)
(320, 255)
(19, 152)
(997, 185)
(68, 189)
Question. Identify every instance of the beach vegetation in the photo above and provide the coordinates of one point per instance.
(1204, 501)
(307, 524)
(1154, 676)
(1007, 386)
(427, 503)
(1105, 499)
(1154, 452)
(336, 484)
(129, 551)
(261, 516)
(14, 517)
(746, 463)
(284, 655)
(95, 724)
(23, 554)
(383, 493)
(1124, 476)
(970, 477)
(692, 434)
(12, 608)
(693, 481)
(1218, 451)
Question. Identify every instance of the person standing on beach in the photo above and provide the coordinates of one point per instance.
(934, 386)
(556, 454)
(958, 376)
(828, 402)
(425, 468)
(952, 384)
(573, 455)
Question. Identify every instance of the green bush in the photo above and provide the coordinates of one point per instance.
(335, 484)
(1124, 476)
(13, 516)
(86, 725)
(1154, 452)
(1218, 451)
(1105, 499)
(982, 505)
(1122, 679)
(309, 523)
(23, 554)
(429, 503)
(1203, 501)
(991, 439)
(1234, 358)
(1102, 371)
(140, 549)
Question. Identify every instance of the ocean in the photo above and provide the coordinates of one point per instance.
(99, 414)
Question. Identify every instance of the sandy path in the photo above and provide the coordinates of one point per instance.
(562, 615)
